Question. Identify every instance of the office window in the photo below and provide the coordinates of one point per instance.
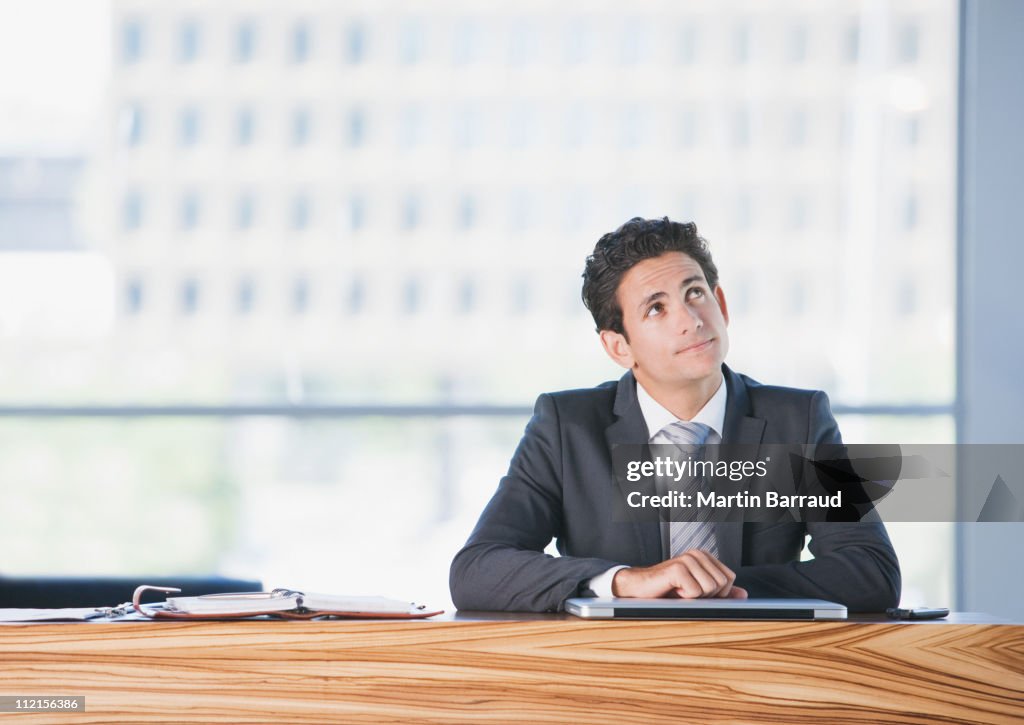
(466, 297)
(245, 211)
(301, 43)
(467, 212)
(354, 213)
(131, 124)
(466, 42)
(355, 296)
(245, 296)
(686, 128)
(355, 128)
(132, 37)
(523, 41)
(906, 300)
(633, 127)
(188, 127)
(410, 214)
(523, 128)
(797, 214)
(911, 129)
(245, 41)
(797, 298)
(521, 296)
(131, 211)
(743, 218)
(741, 128)
(300, 296)
(851, 43)
(741, 44)
(634, 43)
(188, 296)
(468, 123)
(522, 210)
(908, 39)
(796, 128)
(411, 297)
(579, 125)
(301, 127)
(686, 45)
(796, 44)
(189, 211)
(910, 212)
(245, 126)
(300, 212)
(133, 296)
(410, 41)
(355, 43)
(579, 41)
(411, 125)
(188, 41)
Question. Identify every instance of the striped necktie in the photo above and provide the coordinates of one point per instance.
(698, 532)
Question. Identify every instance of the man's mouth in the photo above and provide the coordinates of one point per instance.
(696, 348)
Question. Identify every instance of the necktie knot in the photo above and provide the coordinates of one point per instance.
(687, 433)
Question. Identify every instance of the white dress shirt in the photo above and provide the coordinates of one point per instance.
(657, 416)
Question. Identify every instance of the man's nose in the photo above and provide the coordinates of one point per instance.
(687, 318)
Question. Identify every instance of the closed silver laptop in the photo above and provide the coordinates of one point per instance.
(627, 608)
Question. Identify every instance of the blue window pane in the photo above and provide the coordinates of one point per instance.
(356, 130)
(246, 296)
(301, 43)
(300, 213)
(410, 213)
(245, 211)
(300, 296)
(133, 297)
(188, 41)
(355, 43)
(189, 212)
(131, 211)
(245, 127)
(188, 127)
(245, 42)
(410, 42)
(189, 296)
(301, 125)
(131, 41)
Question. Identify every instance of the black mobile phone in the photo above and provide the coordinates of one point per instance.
(918, 613)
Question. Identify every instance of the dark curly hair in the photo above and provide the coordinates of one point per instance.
(617, 252)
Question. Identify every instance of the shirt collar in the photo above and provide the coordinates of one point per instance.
(656, 416)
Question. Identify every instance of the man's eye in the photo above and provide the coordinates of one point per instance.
(655, 309)
(696, 292)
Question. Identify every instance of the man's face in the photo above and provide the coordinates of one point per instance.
(676, 334)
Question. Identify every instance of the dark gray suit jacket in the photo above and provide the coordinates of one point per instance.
(558, 487)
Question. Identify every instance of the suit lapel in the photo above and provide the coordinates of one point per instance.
(746, 431)
(630, 429)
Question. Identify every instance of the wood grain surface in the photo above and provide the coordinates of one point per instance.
(542, 670)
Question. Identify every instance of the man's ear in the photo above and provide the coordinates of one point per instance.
(720, 296)
(617, 347)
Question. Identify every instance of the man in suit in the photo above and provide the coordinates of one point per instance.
(653, 290)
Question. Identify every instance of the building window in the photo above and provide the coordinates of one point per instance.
(522, 43)
(300, 212)
(130, 125)
(355, 43)
(410, 127)
(741, 44)
(131, 41)
(908, 40)
(245, 126)
(912, 130)
(796, 129)
(410, 42)
(245, 211)
(188, 41)
(411, 297)
(522, 212)
(686, 128)
(467, 126)
(910, 212)
(851, 43)
(356, 128)
(410, 213)
(796, 45)
(189, 211)
(355, 296)
(131, 211)
(686, 50)
(797, 213)
(188, 296)
(355, 213)
(744, 216)
(633, 131)
(466, 42)
(741, 128)
(579, 41)
(634, 43)
(467, 212)
(133, 296)
(522, 126)
(301, 43)
(188, 127)
(579, 126)
(466, 297)
(300, 296)
(245, 41)
(245, 299)
(522, 296)
(301, 127)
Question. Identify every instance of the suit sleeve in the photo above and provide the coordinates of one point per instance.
(503, 565)
(854, 563)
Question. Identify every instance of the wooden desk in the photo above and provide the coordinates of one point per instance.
(521, 668)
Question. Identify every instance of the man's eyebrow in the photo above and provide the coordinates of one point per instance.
(650, 298)
(688, 280)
